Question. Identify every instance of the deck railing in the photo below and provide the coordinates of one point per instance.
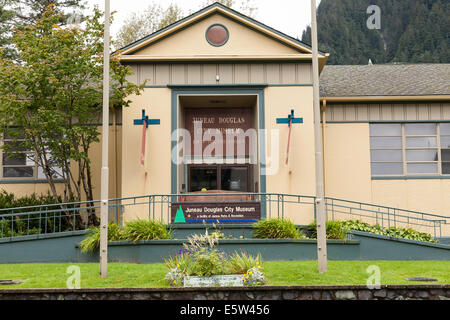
(68, 217)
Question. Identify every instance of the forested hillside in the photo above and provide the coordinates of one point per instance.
(411, 31)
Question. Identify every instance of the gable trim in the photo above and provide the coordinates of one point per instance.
(226, 12)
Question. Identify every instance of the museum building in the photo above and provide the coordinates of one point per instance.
(228, 108)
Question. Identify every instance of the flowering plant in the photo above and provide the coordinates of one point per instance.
(254, 276)
(175, 277)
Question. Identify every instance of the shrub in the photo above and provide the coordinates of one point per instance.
(240, 263)
(179, 266)
(9, 200)
(146, 230)
(276, 229)
(335, 230)
(32, 224)
(206, 259)
(208, 262)
(20, 224)
(133, 231)
(406, 233)
(92, 242)
(200, 257)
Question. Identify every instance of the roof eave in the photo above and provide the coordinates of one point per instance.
(392, 98)
(216, 7)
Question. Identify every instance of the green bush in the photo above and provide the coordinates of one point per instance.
(276, 229)
(406, 233)
(92, 242)
(8, 201)
(240, 263)
(335, 230)
(137, 230)
(207, 262)
(29, 224)
(134, 231)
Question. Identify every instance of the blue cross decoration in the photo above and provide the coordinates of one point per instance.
(290, 119)
(147, 120)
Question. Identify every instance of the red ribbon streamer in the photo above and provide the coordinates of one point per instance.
(143, 144)
(289, 141)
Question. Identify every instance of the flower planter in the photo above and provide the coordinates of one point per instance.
(235, 280)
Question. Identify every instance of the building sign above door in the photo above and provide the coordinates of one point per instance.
(226, 122)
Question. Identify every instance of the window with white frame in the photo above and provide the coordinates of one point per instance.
(19, 163)
(410, 149)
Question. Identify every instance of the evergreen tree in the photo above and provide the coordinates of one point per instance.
(411, 31)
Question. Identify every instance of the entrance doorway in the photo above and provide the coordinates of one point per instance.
(235, 178)
(222, 155)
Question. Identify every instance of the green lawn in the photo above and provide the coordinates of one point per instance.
(277, 273)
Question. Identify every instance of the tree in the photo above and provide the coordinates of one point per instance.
(155, 17)
(139, 25)
(247, 7)
(51, 101)
(16, 14)
(6, 16)
(411, 31)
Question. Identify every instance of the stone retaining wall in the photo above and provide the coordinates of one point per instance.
(386, 292)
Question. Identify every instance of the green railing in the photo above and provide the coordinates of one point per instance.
(302, 209)
(387, 217)
(53, 218)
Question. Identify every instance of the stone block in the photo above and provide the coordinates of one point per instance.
(345, 295)
(382, 293)
(289, 295)
(365, 295)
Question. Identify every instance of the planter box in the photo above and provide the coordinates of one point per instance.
(234, 280)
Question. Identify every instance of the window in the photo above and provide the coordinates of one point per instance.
(220, 177)
(20, 164)
(445, 147)
(410, 149)
(386, 149)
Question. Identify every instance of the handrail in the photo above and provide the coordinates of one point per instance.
(38, 217)
(386, 207)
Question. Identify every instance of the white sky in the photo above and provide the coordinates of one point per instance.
(288, 16)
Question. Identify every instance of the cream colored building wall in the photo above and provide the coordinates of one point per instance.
(348, 176)
(27, 189)
(114, 163)
(347, 161)
(423, 195)
(95, 153)
(192, 41)
(155, 176)
(298, 177)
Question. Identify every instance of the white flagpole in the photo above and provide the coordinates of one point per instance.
(320, 193)
(105, 145)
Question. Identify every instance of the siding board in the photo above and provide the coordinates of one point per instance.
(388, 112)
(162, 74)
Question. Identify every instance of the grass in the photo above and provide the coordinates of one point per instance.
(278, 273)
